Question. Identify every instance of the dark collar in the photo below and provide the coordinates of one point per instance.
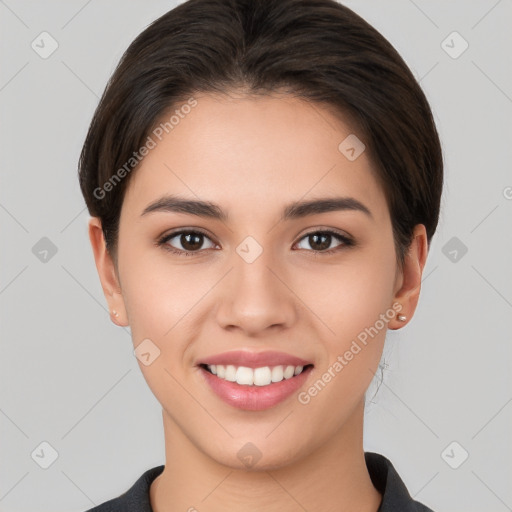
(395, 497)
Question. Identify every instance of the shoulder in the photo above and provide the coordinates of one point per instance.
(135, 499)
(386, 480)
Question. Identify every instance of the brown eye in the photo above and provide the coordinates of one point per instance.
(320, 241)
(187, 242)
(191, 241)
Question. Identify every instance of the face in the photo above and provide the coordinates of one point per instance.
(307, 283)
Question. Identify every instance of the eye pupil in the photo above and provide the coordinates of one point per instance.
(190, 246)
(324, 245)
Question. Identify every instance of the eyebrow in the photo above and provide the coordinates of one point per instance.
(294, 210)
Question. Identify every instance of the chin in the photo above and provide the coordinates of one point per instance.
(254, 456)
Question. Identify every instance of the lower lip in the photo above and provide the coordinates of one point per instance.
(254, 398)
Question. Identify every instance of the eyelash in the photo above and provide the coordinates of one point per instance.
(347, 242)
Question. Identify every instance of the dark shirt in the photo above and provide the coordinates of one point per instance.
(395, 497)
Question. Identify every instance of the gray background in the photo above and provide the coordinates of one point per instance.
(68, 375)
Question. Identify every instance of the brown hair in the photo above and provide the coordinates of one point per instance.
(319, 50)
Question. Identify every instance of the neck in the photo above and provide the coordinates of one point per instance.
(333, 478)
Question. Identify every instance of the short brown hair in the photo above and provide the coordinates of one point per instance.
(319, 50)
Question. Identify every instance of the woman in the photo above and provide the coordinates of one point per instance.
(264, 180)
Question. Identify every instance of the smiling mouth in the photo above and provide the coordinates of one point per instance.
(261, 376)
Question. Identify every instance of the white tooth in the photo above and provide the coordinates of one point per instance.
(230, 373)
(245, 376)
(277, 374)
(288, 372)
(262, 376)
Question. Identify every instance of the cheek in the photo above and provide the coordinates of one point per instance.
(357, 313)
(157, 295)
(168, 305)
(158, 304)
(357, 309)
(352, 296)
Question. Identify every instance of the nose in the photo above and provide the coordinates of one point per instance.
(256, 296)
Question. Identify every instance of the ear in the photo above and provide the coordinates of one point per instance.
(408, 282)
(107, 273)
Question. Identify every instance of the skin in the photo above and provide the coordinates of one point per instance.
(253, 156)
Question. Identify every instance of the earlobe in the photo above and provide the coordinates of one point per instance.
(408, 294)
(107, 273)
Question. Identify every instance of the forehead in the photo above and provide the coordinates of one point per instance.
(258, 152)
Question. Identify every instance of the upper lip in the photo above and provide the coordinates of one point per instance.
(254, 359)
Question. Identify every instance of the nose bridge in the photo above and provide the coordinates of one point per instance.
(255, 272)
(256, 298)
(252, 275)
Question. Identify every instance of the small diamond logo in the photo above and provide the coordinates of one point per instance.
(146, 352)
(454, 455)
(44, 455)
(44, 250)
(454, 45)
(249, 250)
(249, 455)
(44, 45)
(351, 147)
(454, 250)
